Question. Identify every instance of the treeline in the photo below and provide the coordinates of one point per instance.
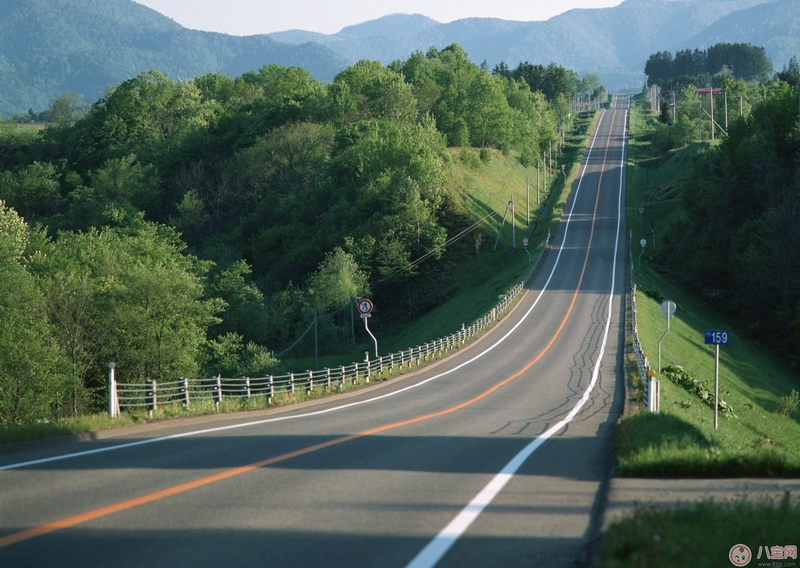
(739, 244)
(712, 65)
(552, 80)
(191, 227)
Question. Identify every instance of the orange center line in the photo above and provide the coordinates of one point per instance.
(100, 512)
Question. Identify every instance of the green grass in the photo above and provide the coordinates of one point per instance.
(681, 440)
(699, 534)
(763, 438)
(65, 427)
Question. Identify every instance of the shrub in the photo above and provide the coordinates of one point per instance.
(787, 405)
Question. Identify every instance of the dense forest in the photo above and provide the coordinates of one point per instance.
(704, 67)
(738, 245)
(192, 227)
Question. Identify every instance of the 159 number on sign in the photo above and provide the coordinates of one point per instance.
(716, 337)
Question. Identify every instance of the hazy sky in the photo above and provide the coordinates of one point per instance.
(248, 17)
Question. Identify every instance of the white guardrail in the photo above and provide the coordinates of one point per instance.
(652, 388)
(149, 395)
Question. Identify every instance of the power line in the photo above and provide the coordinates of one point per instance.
(430, 253)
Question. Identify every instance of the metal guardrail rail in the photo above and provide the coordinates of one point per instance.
(150, 394)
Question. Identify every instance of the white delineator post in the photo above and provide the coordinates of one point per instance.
(113, 407)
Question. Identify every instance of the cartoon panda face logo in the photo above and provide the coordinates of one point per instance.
(740, 555)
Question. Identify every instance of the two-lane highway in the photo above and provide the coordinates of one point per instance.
(496, 456)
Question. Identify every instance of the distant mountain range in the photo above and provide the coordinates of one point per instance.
(51, 46)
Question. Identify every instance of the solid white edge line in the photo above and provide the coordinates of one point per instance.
(335, 408)
(447, 537)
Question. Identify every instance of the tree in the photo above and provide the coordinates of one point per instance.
(488, 114)
(377, 92)
(790, 73)
(31, 369)
(282, 95)
(31, 378)
(658, 67)
(67, 109)
(14, 234)
(245, 312)
(683, 131)
(740, 238)
(127, 295)
(288, 158)
(231, 357)
(665, 115)
(337, 279)
(590, 83)
(33, 190)
(125, 181)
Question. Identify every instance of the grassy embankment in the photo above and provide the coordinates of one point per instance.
(480, 187)
(761, 440)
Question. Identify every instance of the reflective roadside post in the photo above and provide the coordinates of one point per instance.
(112, 391)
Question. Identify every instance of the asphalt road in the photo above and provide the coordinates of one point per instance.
(496, 456)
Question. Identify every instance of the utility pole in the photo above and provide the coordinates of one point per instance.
(712, 113)
(673, 107)
(527, 202)
(544, 170)
(700, 120)
(513, 223)
(726, 111)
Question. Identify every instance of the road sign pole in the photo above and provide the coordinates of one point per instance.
(716, 337)
(365, 309)
(667, 308)
(366, 326)
(716, 387)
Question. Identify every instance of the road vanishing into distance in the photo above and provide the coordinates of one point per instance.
(498, 455)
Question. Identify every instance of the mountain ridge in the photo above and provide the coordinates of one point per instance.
(51, 46)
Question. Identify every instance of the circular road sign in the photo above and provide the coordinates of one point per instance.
(643, 242)
(668, 308)
(364, 306)
(525, 241)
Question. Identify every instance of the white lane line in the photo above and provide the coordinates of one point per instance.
(335, 408)
(447, 537)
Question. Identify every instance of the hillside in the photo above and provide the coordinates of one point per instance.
(774, 26)
(51, 46)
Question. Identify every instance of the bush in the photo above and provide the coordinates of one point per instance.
(787, 405)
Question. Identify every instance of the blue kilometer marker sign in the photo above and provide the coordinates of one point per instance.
(716, 337)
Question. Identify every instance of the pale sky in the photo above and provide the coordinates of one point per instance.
(249, 17)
